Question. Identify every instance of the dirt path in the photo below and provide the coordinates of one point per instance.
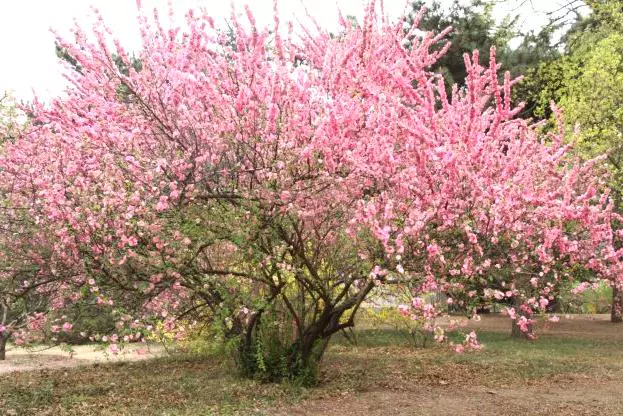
(601, 398)
(20, 359)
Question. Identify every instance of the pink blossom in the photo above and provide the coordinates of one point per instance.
(523, 323)
(580, 288)
(163, 203)
(433, 250)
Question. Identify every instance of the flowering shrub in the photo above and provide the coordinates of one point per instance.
(269, 184)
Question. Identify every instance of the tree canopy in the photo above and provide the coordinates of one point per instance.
(265, 187)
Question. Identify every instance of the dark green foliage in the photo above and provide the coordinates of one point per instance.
(86, 318)
(475, 28)
(274, 354)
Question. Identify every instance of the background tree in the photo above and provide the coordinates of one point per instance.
(586, 81)
(474, 28)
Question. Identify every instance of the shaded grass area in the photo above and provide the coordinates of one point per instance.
(171, 385)
(380, 360)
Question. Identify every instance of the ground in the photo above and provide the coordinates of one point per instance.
(573, 369)
(47, 358)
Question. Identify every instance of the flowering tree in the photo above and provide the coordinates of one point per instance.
(31, 283)
(269, 184)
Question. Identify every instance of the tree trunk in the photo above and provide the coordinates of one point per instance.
(3, 340)
(616, 311)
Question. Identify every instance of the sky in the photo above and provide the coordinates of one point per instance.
(29, 65)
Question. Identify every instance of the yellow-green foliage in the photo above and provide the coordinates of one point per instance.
(391, 318)
(201, 340)
(597, 300)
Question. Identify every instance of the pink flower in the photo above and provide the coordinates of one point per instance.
(113, 349)
(163, 203)
(459, 348)
(433, 250)
(404, 310)
(67, 327)
(580, 288)
(470, 235)
(523, 323)
(285, 196)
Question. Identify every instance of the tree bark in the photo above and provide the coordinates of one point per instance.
(3, 341)
(616, 310)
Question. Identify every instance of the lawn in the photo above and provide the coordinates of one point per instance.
(574, 368)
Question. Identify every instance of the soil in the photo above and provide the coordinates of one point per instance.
(39, 358)
(569, 394)
(597, 399)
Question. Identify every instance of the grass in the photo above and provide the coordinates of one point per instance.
(381, 361)
(172, 385)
